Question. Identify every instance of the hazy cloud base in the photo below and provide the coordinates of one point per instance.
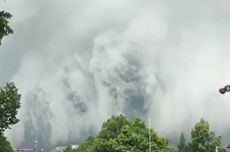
(78, 62)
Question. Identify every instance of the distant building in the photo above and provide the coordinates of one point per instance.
(35, 149)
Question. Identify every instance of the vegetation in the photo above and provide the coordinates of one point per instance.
(9, 97)
(68, 149)
(4, 26)
(182, 146)
(121, 135)
(4, 144)
(203, 139)
(9, 103)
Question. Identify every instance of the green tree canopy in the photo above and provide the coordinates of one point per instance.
(121, 135)
(87, 146)
(9, 104)
(182, 145)
(4, 144)
(203, 139)
(134, 137)
(9, 97)
(4, 24)
(68, 149)
(112, 127)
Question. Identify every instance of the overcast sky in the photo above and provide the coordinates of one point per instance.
(78, 62)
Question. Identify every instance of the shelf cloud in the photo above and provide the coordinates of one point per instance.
(78, 62)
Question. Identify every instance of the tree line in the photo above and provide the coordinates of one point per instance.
(118, 134)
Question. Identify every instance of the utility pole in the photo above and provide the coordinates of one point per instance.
(149, 137)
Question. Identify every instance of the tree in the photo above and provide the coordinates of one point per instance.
(109, 131)
(181, 146)
(4, 144)
(134, 137)
(121, 135)
(112, 127)
(9, 97)
(203, 139)
(102, 145)
(87, 146)
(68, 149)
(4, 26)
(9, 104)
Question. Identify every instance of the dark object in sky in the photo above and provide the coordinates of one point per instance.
(225, 89)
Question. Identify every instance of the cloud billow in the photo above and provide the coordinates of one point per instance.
(76, 63)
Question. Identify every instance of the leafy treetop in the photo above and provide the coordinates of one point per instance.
(4, 26)
(121, 135)
(9, 103)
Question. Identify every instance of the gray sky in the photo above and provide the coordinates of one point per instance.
(78, 62)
